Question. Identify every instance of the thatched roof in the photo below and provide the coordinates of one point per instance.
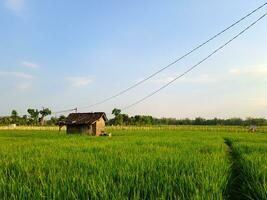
(84, 118)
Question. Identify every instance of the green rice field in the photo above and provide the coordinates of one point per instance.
(148, 163)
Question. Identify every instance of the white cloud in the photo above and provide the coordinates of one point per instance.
(79, 81)
(15, 5)
(22, 81)
(30, 65)
(16, 74)
(252, 72)
(21, 75)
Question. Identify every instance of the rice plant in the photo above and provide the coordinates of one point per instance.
(132, 164)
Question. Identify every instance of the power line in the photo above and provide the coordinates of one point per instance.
(65, 111)
(167, 66)
(176, 61)
(196, 65)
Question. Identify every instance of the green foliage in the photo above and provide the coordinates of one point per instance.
(44, 112)
(119, 118)
(55, 120)
(34, 116)
(116, 112)
(52, 121)
(61, 118)
(32, 119)
(251, 155)
(5, 120)
(14, 116)
(123, 119)
(130, 165)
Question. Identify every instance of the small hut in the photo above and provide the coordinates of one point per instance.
(86, 123)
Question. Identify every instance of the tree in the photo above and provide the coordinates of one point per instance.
(118, 120)
(62, 118)
(14, 116)
(44, 113)
(24, 120)
(34, 115)
(5, 120)
(116, 112)
(199, 121)
(52, 121)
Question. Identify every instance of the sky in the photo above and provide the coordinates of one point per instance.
(65, 54)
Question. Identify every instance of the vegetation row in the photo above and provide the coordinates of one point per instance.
(36, 117)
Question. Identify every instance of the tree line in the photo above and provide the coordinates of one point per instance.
(142, 120)
(36, 117)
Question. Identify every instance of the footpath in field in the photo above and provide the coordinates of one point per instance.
(248, 179)
(235, 178)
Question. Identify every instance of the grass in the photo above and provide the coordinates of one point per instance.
(132, 164)
(208, 128)
(251, 154)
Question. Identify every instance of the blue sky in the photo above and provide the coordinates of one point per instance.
(64, 54)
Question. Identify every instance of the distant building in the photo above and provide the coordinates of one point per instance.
(86, 123)
(13, 125)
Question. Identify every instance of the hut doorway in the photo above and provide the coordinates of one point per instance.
(93, 129)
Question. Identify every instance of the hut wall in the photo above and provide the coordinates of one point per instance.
(100, 126)
(72, 129)
(79, 129)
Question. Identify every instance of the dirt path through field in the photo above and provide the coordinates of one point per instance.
(235, 183)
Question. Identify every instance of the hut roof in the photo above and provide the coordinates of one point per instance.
(84, 118)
